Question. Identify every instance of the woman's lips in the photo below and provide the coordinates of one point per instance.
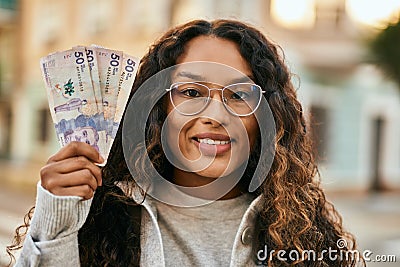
(212, 144)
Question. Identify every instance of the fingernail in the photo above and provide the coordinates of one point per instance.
(101, 159)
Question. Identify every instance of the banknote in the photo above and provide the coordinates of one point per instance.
(109, 67)
(88, 88)
(94, 74)
(71, 95)
(129, 68)
(128, 72)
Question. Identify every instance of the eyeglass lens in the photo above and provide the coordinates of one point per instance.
(191, 98)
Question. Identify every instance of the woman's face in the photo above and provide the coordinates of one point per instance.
(213, 143)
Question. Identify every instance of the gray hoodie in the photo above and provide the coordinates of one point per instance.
(52, 239)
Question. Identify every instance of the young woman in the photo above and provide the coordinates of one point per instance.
(96, 216)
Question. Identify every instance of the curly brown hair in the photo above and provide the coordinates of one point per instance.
(295, 213)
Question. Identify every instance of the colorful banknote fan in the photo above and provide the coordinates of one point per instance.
(88, 88)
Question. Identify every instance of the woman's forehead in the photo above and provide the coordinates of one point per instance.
(209, 72)
(221, 59)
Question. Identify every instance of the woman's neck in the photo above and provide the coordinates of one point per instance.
(191, 179)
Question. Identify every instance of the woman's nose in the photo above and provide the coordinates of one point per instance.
(216, 110)
(216, 94)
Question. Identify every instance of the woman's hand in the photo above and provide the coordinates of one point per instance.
(72, 171)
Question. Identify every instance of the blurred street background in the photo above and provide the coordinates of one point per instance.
(345, 54)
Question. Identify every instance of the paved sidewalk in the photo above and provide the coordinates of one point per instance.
(14, 205)
(375, 221)
(17, 196)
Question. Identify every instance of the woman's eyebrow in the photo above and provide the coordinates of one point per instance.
(243, 79)
(190, 75)
(197, 77)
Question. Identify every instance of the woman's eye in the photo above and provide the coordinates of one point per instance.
(240, 95)
(191, 92)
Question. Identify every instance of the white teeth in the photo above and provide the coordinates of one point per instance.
(213, 142)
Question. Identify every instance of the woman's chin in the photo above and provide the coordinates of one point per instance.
(214, 172)
(210, 174)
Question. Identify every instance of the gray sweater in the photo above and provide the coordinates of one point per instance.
(52, 239)
(201, 236)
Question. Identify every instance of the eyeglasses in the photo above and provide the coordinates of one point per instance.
(191, 98)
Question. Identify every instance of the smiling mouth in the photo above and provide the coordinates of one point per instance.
(213, 146)
(210, 141)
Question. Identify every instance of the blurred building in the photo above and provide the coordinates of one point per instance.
(355, 111)
(7, 65)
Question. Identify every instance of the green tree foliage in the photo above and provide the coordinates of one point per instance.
(385, 50)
